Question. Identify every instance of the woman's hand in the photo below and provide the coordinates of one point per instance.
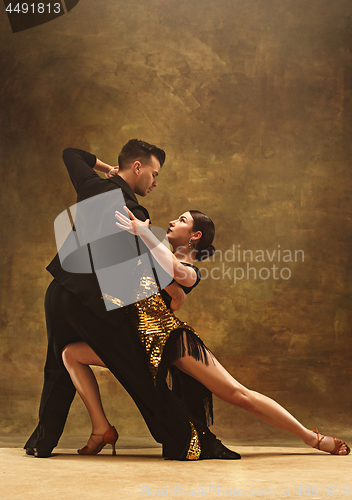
(183, 275)
(131, 224)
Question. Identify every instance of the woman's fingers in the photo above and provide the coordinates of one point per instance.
(124, 222)
(130, 223)
(122, 218)
(130, 213)
(129, 228)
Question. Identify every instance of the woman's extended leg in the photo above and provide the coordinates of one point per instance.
(77, 357)
(222, 384)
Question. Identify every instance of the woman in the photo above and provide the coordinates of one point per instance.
(174, 343)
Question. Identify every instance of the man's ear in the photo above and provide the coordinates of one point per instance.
(136, 167)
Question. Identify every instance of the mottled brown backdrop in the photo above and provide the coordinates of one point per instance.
(252, 102)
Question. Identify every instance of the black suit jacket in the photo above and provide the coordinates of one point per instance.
(88, 184)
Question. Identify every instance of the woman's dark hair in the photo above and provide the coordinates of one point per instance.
(139, 150)
(202, 223)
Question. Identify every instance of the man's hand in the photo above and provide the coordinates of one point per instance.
(177, 294)
(106, 169)
(113, 171)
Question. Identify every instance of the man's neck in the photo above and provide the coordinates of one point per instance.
(127, 177)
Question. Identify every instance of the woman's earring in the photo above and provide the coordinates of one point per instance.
(191, 244)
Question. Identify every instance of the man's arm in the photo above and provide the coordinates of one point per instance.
(79, 165)
(82, 165)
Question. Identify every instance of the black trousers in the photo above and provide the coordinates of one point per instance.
(69, 320)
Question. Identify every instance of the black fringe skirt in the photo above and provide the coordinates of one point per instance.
(166, 339)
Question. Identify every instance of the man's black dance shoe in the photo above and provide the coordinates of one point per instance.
(212, 448)
(218, 450)
(39, 452)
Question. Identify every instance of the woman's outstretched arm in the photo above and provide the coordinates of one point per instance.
(183, 275)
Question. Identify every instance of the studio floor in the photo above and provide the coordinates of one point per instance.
(137, 473)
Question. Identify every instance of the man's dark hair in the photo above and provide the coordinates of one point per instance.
(136, 150)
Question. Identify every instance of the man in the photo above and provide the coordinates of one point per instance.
(75, 311)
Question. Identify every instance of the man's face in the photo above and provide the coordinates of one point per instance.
(146, 177)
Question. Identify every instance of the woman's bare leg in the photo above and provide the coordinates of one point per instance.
(77, 357)
(222, 384)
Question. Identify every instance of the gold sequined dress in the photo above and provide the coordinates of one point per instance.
(166, 338)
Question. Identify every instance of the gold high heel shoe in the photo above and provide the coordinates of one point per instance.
(110, 437)
(338, 443)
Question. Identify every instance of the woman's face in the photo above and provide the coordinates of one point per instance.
(180, 230)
